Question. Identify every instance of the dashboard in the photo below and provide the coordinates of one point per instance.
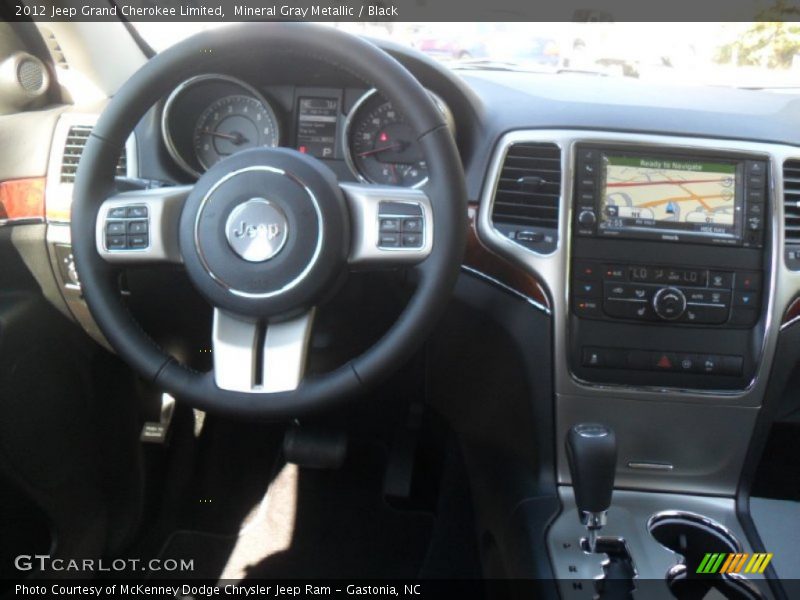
(212, 116)
(648, 237)
(654, 225)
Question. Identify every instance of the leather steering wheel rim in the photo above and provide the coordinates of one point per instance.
(211, 51)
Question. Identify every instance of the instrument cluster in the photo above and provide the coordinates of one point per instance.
(210, 117)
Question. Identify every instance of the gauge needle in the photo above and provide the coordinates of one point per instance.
(396, 146)
(237, 138)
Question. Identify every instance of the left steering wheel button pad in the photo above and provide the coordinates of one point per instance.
(127, 228)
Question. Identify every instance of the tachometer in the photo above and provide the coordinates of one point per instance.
(380, 147)
(231, 124)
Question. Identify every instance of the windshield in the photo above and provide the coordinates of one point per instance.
(762, 55)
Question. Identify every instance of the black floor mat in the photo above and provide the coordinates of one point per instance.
(342, 528)
(208, 552)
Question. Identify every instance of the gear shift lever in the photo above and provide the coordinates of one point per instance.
(592, 458)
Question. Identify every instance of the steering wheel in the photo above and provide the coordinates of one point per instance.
(267, 234)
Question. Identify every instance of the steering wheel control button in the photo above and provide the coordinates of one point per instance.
(389, 240)
(390, 225)
(118, 212)
(115, 228)
(137, 227)
(137, 212)
(116, 242)
(669, 303)
(401, 225)
(413, 225)
(127, 228)
(257, 230)
(412, 240)
(137, 241)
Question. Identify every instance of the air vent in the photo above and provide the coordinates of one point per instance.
(73, 148)
(55, 49)
(526, 202)
(791, 212)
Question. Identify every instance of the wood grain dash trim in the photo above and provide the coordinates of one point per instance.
(22, 199)
(491, 264)
(792, 313)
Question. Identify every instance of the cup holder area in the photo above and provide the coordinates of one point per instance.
(693, 536)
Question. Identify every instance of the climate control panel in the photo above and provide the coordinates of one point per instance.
(665, 294)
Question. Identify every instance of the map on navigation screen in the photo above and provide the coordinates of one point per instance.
(664, 193)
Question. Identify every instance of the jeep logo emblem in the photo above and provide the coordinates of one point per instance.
(257, 230)
(271, 230)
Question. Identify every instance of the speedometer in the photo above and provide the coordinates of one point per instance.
(211, 116)
(380, 147)
(231, 124)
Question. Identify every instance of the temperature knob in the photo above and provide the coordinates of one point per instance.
(669, 303)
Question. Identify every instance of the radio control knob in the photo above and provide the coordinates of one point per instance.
(587, 218)
(669, 303)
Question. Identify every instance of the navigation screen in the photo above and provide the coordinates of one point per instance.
(316, 126)
(663, 195)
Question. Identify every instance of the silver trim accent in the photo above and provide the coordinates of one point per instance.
(21, 221)
(348, 157)
(166, 134)
(790, 322)
(284, 352)
(294, 282)
(593, 520)
(672, 290)
(506, 288)
(693, 517)
(164, 207)
(364, 202)
(58, 234)
(650, 466)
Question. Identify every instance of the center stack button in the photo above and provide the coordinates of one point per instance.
(669, 303)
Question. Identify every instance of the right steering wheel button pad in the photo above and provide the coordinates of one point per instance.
(127, 228)
(400, 225)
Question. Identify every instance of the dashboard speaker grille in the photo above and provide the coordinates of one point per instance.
(73, 148)
(527, 198)
(30, 74)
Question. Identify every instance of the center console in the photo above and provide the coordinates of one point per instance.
(668, 292)
(667, 267)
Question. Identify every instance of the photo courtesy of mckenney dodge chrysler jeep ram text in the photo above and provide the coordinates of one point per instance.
(389, 308)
